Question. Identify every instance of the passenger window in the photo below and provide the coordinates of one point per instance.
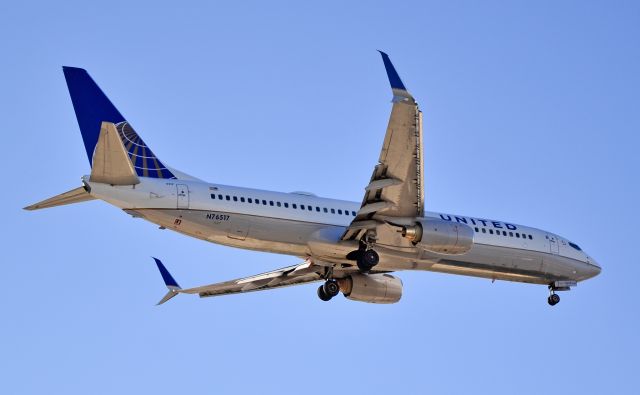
(257, 201)
(294, 205)
(270, 202)
(317, 209)
(264, 202)
(325, 210)
(310, 208)
(278, 204)
(477, 230)
(530, 237)
(511, 234)
(302, 207)
(491, 231)
(346, 212)
(518, 235)
(504, 232)
(228, 197)
(213, 196)
(339, 211)
(286, 205)
(484, 230)
(242, 199)
(353, 213)
(220, 197)
(249, 200)
(333, 211)
(235, 198)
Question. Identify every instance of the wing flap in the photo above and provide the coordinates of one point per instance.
(396, 186)
(306, 272)
(231, 288)
(303, 273)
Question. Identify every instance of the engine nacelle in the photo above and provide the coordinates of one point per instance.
(442, 237)
(372, 288)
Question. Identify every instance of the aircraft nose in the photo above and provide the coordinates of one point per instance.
(592, 268)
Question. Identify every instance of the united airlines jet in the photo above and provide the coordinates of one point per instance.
(349, 247)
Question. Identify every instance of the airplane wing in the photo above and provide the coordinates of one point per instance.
(396, 187)
(304, 273)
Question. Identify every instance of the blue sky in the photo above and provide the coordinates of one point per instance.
(530, 116)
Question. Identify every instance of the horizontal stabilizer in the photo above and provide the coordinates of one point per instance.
(73, 196)
(111, 163)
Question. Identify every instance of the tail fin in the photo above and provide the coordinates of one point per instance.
(93, 107)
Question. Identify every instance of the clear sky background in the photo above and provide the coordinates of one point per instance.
(530, 116)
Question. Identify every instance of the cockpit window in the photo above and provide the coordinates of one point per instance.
(575, 246)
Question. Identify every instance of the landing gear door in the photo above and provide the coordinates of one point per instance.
(238, 229)
(183, 195)
(554, 248)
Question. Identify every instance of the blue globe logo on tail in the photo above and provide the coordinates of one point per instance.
(143, 159)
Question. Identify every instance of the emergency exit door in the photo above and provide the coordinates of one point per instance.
(183, 195)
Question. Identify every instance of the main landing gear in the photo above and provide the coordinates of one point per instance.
(367, 259)
(365, 256)
(328, 290)
(553, 298)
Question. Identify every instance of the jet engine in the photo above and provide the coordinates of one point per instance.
(439, 236)
(372, 288)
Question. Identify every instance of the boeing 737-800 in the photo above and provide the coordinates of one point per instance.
(350, 247)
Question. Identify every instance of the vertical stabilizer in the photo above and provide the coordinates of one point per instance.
(93, 107)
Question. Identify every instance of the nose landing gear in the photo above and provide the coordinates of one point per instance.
(561, 285)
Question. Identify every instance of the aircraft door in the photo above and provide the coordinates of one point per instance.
(183, 195)
(554, 248)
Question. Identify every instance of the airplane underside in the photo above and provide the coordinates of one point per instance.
(322, 242)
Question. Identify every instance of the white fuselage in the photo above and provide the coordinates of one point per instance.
(306, 225)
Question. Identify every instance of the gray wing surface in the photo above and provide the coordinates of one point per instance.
(395, 190)
(304, 273)
(285, 277)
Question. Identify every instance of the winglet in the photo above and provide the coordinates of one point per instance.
(169, 281)
(394, 78)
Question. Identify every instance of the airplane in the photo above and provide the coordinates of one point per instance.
(350, 247)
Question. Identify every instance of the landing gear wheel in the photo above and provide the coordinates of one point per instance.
(367, 260)
(331, 288)
(553, 299)
(322, 295)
